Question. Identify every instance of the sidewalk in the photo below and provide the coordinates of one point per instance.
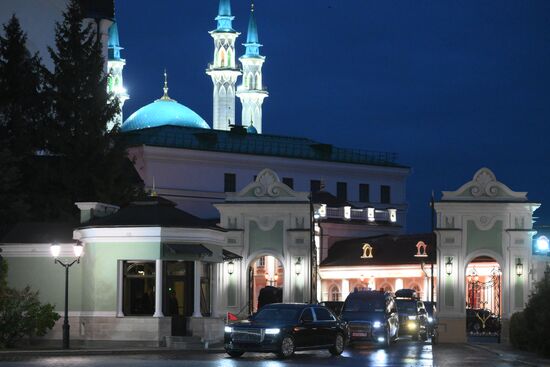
(507, 352)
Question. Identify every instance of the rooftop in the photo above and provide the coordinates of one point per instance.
(386, 250)
(239, 141)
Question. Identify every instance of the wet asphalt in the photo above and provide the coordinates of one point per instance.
(404, 353)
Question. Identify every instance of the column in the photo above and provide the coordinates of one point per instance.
(197, 290)
(120, 285)
(158, 289)
(345, 289)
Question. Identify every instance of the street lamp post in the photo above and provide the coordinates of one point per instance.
(55, 250)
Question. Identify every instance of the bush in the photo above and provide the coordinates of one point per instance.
(22, 314)
(529, 328)
(519, 334)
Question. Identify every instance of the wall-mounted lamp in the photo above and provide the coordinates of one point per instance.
(298, 266)
(449, 266)
(230, 267)
(519, 268)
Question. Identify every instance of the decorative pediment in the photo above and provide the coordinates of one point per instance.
(267, 187)
(484, 187)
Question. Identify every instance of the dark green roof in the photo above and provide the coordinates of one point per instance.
(238, 141)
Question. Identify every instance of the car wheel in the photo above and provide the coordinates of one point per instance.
(235, 353)
(338, 346)
(287, 347)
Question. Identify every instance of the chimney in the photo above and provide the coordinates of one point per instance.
(92, 209)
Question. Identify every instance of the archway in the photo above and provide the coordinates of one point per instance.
(265, 271)
(483, 286)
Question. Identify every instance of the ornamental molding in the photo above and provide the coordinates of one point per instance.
(484, 187)
(267, 187)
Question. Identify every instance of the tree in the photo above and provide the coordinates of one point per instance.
(22, 103)
(22, 115)
(93, 164)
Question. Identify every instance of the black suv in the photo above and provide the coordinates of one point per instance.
(371, 316)
(413, 317)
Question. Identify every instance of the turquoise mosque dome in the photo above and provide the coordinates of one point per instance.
(162, 112)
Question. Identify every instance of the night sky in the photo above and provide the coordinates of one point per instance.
(451, 86)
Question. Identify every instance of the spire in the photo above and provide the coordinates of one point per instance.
(114, 43)
(165, 97)
(252, 41)
(224, 17)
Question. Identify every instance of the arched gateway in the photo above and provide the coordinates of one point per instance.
(484, 235)
(268, 224)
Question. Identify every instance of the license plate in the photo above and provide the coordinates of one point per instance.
(359, 334)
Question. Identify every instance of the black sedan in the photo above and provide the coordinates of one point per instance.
(284, 328)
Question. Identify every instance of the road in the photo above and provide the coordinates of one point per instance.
(404, 353)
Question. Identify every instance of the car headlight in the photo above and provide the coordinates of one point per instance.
(412, 317)
(377, 324)
(411, 325)
(228, 329)
(430, 319)
(272, 331)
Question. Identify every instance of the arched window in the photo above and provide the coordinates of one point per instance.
(334, 293)
(222, 57)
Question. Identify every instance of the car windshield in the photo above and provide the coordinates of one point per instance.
(364, 305)
(406, 306)
(276, 314)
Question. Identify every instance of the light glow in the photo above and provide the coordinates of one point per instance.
(543, 244)
(55, 249)
(274, 331)
(78, 249)
(412, 317)
(377, 324)
(430, 319)
(381, 339)
(411, 325)
(228, 329)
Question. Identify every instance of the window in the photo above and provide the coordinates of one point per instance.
(334, 294)
(342, 191)
(364, 193)
(289, 181)
(307, 315)
(229, 182)
(385, 197)
(261, 261)
(315, 185)
(323, 314)
(138, 290)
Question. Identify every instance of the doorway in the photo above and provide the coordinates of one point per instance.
(265, 282)
(178, 294)
(483, 300)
